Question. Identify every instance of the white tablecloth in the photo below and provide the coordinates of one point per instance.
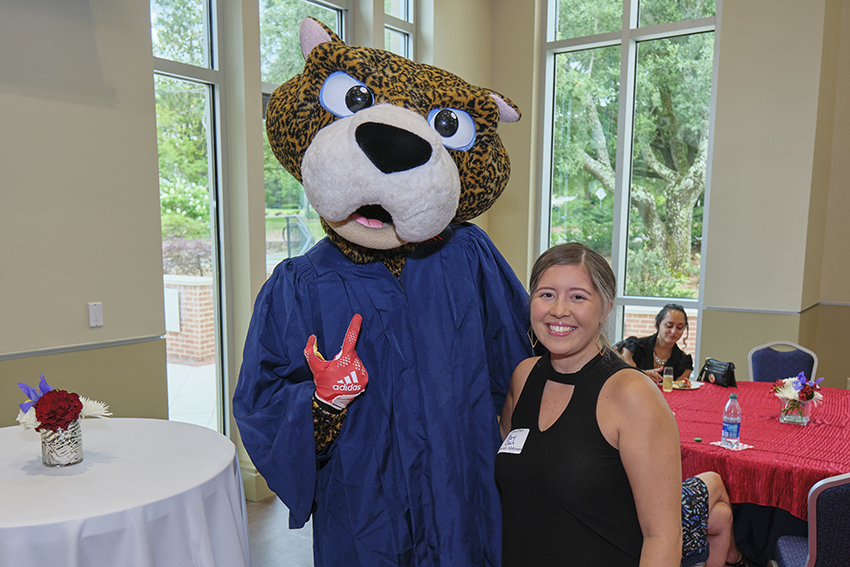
(148, 492)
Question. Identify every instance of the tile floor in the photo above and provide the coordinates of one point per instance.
(192, 394)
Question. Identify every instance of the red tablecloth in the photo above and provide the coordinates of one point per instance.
(786, 460)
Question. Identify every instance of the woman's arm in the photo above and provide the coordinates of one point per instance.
(518, 378)
(637, 421)
(629, 356)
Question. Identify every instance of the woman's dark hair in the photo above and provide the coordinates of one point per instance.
(577, 254)
(663, 313)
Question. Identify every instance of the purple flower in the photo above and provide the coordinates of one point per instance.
(32, 394)
(800, 381)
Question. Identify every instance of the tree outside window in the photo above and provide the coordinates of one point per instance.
(669, 138)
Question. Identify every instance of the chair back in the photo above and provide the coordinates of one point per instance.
(829, 522)
(768, 364)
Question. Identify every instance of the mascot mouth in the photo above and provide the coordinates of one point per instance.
(372, 216)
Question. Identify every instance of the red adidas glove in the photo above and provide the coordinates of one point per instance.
(342, 379)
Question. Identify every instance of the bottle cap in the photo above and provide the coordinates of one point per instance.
(733, 396)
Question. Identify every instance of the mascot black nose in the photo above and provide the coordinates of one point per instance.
(392, 149)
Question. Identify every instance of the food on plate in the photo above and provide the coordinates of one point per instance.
(683, 384)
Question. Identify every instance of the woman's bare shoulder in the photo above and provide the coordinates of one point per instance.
(520, 375)
(630, 385)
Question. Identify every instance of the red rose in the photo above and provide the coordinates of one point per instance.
(57, 409)
(806, 393)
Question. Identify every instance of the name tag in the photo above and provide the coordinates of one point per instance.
(514, 442)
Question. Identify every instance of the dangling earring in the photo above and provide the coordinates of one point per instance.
(532, 338)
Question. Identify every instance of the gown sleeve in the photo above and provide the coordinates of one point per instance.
(272, 403)
(504, 309)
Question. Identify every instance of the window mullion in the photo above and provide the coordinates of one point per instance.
(625, 129)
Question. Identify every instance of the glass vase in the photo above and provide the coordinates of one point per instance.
(795, 411)
(62, 447)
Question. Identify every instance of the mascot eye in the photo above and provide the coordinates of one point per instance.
(455, 126)
(342, 95)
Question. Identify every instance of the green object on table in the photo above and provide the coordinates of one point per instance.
(698, 439)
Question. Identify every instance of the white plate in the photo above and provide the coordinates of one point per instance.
(694, 386)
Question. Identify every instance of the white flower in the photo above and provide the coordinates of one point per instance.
(786, 390)
(28, 420)
(93, 408)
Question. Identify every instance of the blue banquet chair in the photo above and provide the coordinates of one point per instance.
(768, 364)
(828, 544)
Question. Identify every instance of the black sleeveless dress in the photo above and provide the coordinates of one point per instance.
(566, 499)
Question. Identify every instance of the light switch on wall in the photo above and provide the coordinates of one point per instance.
(96, 314)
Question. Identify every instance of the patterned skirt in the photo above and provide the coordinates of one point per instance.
(694, 521)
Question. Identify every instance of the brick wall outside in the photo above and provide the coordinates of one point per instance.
(643, 324)
(195, 342)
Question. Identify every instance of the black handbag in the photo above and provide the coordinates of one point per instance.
(718, 372)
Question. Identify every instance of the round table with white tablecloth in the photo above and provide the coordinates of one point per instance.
(148, 492)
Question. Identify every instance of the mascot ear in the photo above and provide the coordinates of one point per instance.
(508, 111)
(313, 32)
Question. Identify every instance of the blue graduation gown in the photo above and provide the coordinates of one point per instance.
(410, 478)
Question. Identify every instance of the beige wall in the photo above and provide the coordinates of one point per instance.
(79, 202)
(836, 251)
(130, 379)
(776, 261)
(515, 64)
(763, 154)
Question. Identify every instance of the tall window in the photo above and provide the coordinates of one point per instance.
(398, 27)
(292, 226)
(187, 88)
(628, 124)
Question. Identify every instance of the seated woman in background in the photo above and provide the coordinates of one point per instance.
(651, 354)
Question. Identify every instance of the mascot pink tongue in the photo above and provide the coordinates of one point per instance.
(389, 446)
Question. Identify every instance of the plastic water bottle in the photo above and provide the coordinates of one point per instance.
(731, 422)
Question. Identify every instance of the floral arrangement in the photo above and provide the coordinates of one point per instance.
(47, 409)
(796, 392)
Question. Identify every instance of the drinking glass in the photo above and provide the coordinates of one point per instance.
(667, 379)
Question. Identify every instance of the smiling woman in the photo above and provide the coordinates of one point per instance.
(578, 423)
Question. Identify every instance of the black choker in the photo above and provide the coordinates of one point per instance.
(573, 378)
(569, 379)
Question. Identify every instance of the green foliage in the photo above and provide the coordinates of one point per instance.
(673, 80)
(177, 226)
(579, 18)
(280, 48)
(654, 12)
(177, 30)
(280, 60)
(648, 275)
(183, 198)
(584, 220)
(181, 119)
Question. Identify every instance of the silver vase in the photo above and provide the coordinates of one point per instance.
(62, 447)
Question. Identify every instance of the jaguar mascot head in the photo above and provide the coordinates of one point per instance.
(389, 151)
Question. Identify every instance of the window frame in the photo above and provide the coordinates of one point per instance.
(213, 77)
(627, 39)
